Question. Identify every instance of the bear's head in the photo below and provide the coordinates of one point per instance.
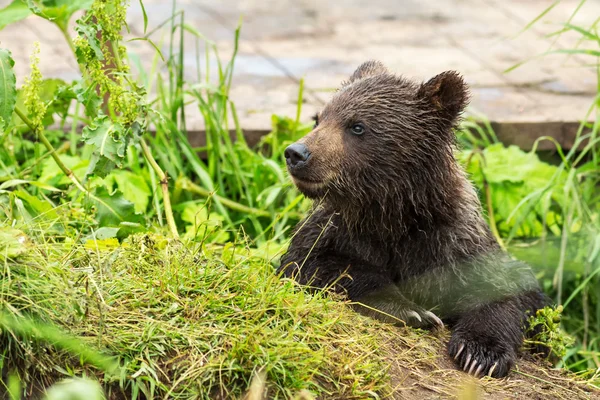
(381, 137)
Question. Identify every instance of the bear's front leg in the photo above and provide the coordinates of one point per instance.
(388, 304)
(373, 292)
(485, 341)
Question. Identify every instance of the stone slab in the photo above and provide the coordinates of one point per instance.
(322, 42)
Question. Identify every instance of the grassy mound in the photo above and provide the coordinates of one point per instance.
(152, 318)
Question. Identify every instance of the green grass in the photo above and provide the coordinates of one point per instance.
(183, 321)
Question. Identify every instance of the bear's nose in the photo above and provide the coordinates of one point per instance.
(296, 153)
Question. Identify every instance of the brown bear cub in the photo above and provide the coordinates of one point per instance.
(398, 227)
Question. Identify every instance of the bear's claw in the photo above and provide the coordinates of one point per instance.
(473, 365)
(479, 370)
(436, 320)
(426, 319)
(493, 368)
(478, 359)
(415, 315)
(460, 349)
(467, 362)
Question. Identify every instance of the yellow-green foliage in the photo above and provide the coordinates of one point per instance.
(31, 89)
(102, 58)
(546, 325)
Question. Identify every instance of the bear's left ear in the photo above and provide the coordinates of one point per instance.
(447, 92)
(366, 69)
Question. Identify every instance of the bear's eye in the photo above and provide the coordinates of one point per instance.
(357, 129)
(316, 119)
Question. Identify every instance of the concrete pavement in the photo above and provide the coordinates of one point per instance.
(324, 41)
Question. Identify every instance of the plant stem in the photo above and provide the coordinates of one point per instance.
(163, 178)
(488, 199)
(558, 277)
(65, 31)
(192, 187)
(490, 210)
(63, 148)
(51, 149)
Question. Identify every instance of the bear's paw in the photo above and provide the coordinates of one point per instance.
(479, 356)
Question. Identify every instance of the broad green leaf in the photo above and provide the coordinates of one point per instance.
(19, 211)
(49, 90)
(89, 32)
(105, 234)
(38, 205)
(505, 199)
(71, 6)
(60, 15)
(53, 175)
(509, 186)
(8, 90)
(108, 137)
(268, 196)
(14, 12)
(89, 98)
(64, 95)
(58, 11)
(61, 95)
(112, 210)
(109, 243)
(524, 166)
(100, 166)
(275, 168)
(33, 7)
(133, 187)
(194, 213)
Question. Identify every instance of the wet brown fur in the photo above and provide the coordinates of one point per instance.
(396, 224)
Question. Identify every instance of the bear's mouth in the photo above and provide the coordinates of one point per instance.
(310, 188)
(307, 182)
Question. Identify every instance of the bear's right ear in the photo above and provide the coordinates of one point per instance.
(447, 92)
(366, 69)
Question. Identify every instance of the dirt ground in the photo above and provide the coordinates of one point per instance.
(421, 369)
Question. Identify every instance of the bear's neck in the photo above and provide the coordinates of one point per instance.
(424, 205)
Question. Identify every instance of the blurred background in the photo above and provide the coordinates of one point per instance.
(323, 42)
